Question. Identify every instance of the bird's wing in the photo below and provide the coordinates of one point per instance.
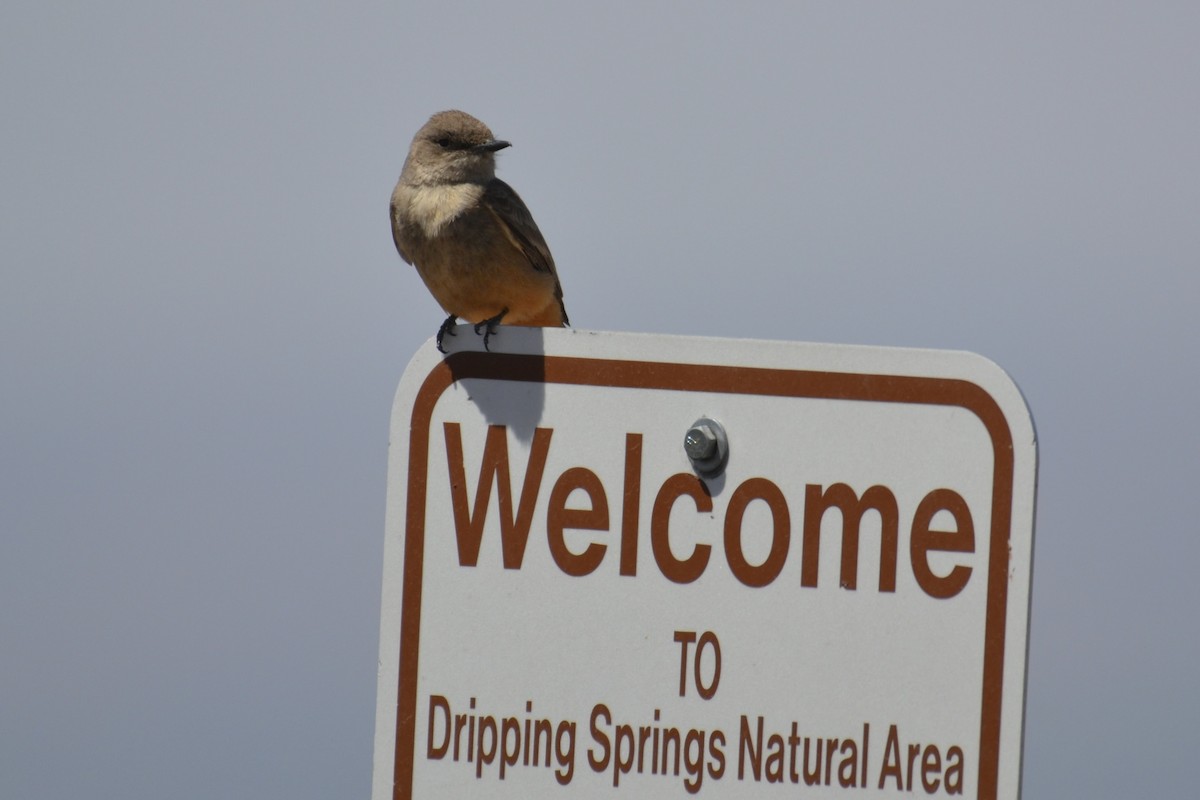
(517, 223)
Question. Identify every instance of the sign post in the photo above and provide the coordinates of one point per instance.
(656, 566)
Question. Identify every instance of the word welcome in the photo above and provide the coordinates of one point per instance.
(516, 522)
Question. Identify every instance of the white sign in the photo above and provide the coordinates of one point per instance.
(570, 610)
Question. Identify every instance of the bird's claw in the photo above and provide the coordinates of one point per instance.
(447, 328)
(489, 327)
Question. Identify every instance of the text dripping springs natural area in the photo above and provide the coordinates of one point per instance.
(764, 753)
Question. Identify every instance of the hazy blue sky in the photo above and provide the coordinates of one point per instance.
(203, 320)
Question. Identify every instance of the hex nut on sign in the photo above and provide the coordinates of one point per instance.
(707, 447)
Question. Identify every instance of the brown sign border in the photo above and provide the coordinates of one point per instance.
(665, 376)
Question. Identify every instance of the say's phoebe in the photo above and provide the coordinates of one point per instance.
(472, 240)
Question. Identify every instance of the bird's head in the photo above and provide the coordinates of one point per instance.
(453, 147)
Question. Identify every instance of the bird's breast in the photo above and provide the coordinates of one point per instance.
(432, 207)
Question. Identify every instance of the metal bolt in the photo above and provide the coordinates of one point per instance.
(706, 447)
(700, 443)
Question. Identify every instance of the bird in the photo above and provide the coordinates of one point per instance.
(469, 234)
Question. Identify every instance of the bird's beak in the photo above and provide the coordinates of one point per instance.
(492, 146)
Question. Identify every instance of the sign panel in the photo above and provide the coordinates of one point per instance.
(571, 610)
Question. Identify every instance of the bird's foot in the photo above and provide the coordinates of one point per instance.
(447, 328)
(489, 326)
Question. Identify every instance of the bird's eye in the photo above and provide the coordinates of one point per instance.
(444, 141)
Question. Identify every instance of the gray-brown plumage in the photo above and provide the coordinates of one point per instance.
(472, 240)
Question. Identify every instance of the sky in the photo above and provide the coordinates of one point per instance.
(203, 321)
